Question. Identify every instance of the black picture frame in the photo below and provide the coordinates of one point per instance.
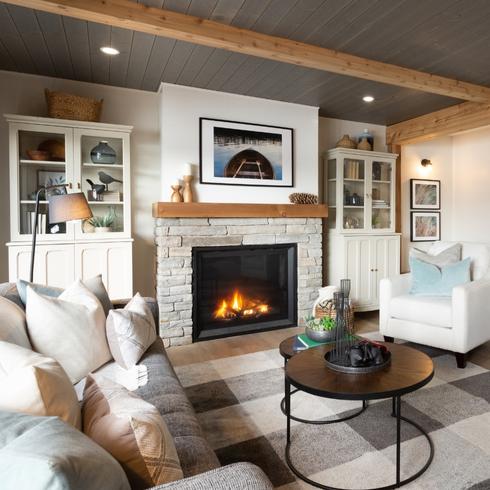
(413, 192)
(420, 238)
(204, 163)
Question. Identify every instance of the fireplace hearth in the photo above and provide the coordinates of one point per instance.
(243, 289)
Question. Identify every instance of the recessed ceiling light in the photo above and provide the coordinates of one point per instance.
(368, 98)
(109, 50)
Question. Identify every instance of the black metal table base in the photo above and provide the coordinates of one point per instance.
(321, 422)
(396, 412)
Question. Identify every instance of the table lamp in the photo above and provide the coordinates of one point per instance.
(61, 208)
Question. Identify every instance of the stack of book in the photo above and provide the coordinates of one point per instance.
(303, 342)
(380, 203)
(28, 225)
(111, 196)
(351, 170)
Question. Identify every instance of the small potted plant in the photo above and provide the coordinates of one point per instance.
(320, 329)
(103, 224)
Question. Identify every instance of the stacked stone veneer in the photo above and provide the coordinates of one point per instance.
(175, 237)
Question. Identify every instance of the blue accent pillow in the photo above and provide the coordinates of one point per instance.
(430, 280)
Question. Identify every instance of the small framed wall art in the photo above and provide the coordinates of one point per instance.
(237, 153)
(425, 226)
(425, 194)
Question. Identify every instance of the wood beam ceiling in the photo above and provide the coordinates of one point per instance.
(454, 119)
(137, 17)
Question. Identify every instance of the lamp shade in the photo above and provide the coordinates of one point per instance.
(68, 207)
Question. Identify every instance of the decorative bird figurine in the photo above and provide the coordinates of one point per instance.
(97, 188)
(107, 179)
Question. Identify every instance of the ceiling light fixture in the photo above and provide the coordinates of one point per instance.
(109, 50)
(368, 98)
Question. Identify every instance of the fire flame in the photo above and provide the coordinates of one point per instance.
(239, 306)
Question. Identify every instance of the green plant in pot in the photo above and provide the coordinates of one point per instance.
(103, 224)
(320, 329)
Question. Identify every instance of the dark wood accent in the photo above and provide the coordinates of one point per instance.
(235, 210)
(461, 359)
(286, 347)
(409, 370)
(389, 339)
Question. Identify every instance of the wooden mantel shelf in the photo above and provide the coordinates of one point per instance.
(232, 210)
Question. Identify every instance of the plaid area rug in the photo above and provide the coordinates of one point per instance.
(237, 402)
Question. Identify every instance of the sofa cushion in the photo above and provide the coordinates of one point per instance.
(130, 332)
(70, 329)
(131, 430)
(430, 310)
(34, 384)
(94, 284)
(44, 453)
(437, 256)
(165, 392)
(8, 290)
(430, 280)
(13, 326)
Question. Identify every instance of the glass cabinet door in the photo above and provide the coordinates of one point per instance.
(102, 178)
(44, 159)
(381, 195)
(353, 194)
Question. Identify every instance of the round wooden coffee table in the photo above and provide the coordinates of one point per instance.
(409, 370)
(287, 351)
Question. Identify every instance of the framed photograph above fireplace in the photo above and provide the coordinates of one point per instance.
(237, 153)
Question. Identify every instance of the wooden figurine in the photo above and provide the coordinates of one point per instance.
(176, 195)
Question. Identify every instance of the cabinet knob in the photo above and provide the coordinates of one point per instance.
(70, 186)
(78, 185)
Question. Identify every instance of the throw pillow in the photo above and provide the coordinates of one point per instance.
(430, 280)
(130, 332)
(95, 285)
(70, 329)
(13, 324)
(34, 384)
(440, 257)
(44, 453)
(9, 290)
(132, 430)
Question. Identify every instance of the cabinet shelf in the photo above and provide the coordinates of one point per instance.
(103, 165)
(42, 163)
(110, 203)
(352, 207)
(353, 180)
(381, 181)
(29, 201)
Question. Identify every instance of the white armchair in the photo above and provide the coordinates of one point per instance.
(458, 323)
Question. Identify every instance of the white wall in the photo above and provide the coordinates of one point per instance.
(331, 130)
(471, 186)
(181, 107)
(439, 152)
(24, 94)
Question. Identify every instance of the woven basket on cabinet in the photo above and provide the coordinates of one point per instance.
(327, 309)
(73, 107)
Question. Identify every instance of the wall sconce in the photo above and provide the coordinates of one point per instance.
(427, 164)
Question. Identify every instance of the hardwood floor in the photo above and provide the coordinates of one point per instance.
(245, 344)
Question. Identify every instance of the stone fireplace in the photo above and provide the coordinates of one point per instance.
(256, 273)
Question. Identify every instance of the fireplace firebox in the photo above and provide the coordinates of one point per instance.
(243, 289)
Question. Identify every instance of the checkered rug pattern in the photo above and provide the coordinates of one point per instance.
(237, 400)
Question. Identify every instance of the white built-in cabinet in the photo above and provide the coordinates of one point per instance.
(68, 251)
(361, 243)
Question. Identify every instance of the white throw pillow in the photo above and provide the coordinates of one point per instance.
(130, 332)
(440, 256)
(37, 385)
(70, 329)
(13, 324)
